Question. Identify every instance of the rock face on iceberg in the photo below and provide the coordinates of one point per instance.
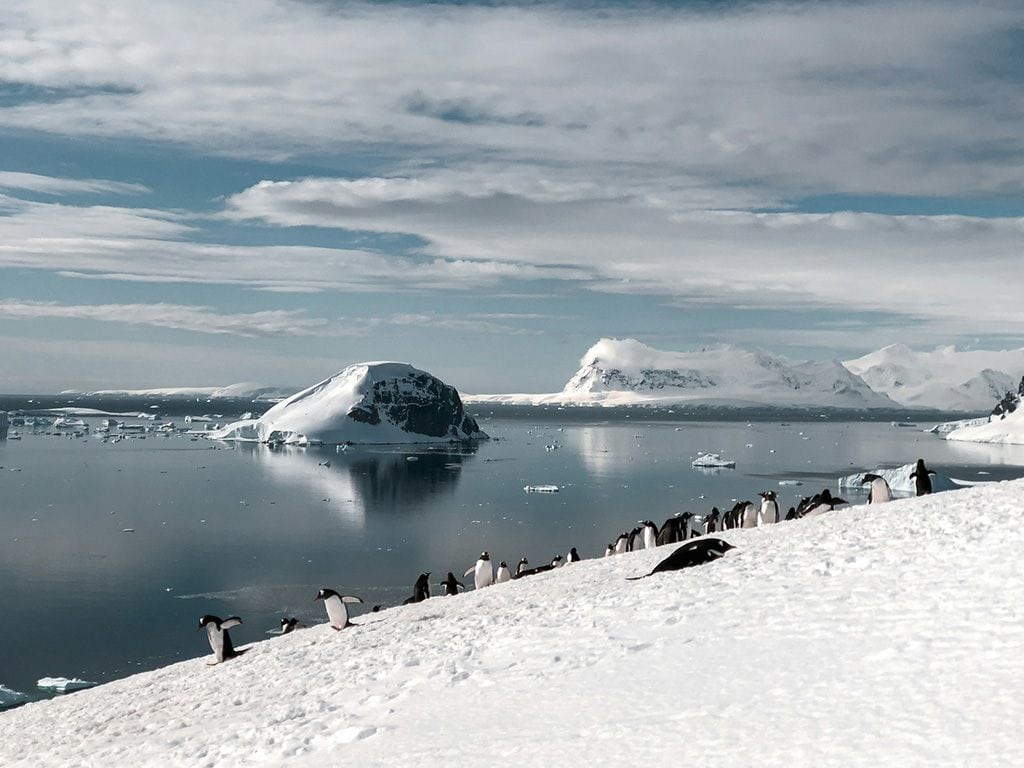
(723, 374)
(378, 402)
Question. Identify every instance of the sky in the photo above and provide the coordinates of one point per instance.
(203, 193)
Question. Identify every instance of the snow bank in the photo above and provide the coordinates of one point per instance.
(378, 402)
(886, 635)
(1007, 431)
(899, 480)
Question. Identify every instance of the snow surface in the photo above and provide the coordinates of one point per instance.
(338, 410)
(945, 378)
(883, 635)
(617, 372)
(1007, 431)
(899, 480)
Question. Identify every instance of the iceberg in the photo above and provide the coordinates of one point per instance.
(712, 460)
(369, 403)
(9, 698)
(899, 480)
(1008, 430)
(63, 684)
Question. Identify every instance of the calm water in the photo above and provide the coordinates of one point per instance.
(255, 532)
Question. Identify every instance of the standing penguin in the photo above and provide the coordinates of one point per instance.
(483, 571)
(574, 556)
(880, 491)
(523, 562)
(634, 539)
(504, 574)
(451, 584)
(711, 521)
(217, 633)
(769, 512)
(420, 590)
(337, 608)
(609, 550)
(650, 534)
(748, 515)
(621, 543)
(557, 562)
(923, 482)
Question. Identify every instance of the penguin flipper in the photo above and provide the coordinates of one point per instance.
(228, 623)
(351, 599)
(469, 571)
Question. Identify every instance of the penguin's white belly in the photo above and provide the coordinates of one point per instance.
(620, 546)
(768, 514)
(650, 540)
(880, 492)
(337, 612)
(503, 576)
(749, 516)
(216, 638)
(483, 575)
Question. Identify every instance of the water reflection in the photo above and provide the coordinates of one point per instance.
(361, 480)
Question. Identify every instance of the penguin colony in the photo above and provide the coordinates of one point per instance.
(679, 528)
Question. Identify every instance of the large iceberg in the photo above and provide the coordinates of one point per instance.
(899, 480)
(1008, 430)
(378, 402)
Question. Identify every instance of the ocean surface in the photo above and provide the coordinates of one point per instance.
(253, 531)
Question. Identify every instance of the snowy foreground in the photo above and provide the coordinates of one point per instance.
(889, 635)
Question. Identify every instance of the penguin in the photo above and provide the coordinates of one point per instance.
(879, 492)
(621, 543)
(557, 562)
(420, 590)
(217, 633)
(523, 562)
(504, 574)
(791, 514)
(650, 534)
(731, 518)
(451, 584)
(690, 554)
(922, 481)
(819, 504)
(687, 530)
(609, 550)
(712, 521)
(483, 571)
(287, 625)
(769, 512)
(336, 605)
(747, 515)
(574, 556)
(634, 537)
(667, 532)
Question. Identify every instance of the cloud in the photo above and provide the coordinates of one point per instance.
(51, 185)
(268, 323)
(901, 98)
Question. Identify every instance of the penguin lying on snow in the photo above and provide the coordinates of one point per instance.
(819, 504)
(287, 625)
(695, 553)
(337, 610)
(217, 633)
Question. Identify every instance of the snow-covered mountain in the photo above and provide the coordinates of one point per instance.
(626, 371)
(944, 378)
(243, 391)
(379, 402)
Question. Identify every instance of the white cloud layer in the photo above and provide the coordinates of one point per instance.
(51, 185)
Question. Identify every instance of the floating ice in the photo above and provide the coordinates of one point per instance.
(712, 460)
(541, 488)
(63, 684)
(9, 698)
(899, 479)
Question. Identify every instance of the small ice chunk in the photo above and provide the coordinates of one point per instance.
(712, 460)
(541, 488)
(790, 482)
(9, 698)
(63, 684)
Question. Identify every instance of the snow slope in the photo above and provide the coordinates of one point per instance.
(944, 378)
(889, 635)
(628, 372)
(1007, 431)
(378, 402)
